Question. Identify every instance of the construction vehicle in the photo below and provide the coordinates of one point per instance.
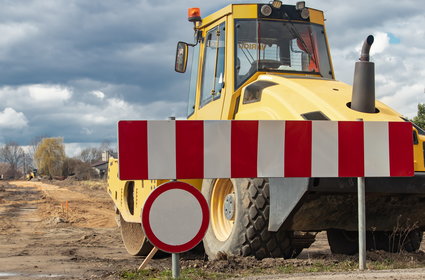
(31, 174)
(272, 62)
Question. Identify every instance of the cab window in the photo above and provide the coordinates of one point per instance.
(279, 46)
(213, 68)
(193, 81)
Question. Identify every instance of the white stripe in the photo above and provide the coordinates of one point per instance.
(376, 149)
(162, 149)
(271, 139)
(217, 149)
(324, 149)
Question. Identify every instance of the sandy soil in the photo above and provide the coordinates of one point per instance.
(68, 231)
(40, 237)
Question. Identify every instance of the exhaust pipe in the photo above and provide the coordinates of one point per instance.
(363, 97)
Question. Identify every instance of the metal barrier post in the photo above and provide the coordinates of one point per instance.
(362, 221)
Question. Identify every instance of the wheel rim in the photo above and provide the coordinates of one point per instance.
(221, 225)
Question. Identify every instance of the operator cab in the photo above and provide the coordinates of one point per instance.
(236, 44)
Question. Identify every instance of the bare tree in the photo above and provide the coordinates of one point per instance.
(27, 163)
(4, 167)
(93, 154)
(105, 146)
(79, 169)
(32, 148)
(13, 154)
(90, 155)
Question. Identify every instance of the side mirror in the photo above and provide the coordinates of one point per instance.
(181, 57)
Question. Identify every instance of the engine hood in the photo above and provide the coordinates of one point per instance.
(277, 97)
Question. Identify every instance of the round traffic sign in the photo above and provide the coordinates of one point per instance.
(175, 217)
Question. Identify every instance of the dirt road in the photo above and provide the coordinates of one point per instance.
(69, 232)
(42, 237)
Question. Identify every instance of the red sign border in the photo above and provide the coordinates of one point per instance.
(146, 221)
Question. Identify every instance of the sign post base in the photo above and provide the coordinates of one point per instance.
(175, 265)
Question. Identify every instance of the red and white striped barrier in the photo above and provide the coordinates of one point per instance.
(248, 149)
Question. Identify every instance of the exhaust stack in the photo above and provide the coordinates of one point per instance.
(363, 98)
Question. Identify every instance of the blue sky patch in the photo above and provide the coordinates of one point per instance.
(393, 39)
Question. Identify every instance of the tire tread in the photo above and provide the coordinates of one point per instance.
(261, 242)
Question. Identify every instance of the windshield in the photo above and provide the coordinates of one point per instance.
(281, 46)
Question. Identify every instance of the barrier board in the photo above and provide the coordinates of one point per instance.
(186, 149)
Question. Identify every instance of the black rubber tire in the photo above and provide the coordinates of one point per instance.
(249, 235)
(346, 242)
(394, 243)
(342, 242)
(413, 241)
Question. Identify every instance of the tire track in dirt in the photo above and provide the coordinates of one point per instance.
(40, 237)
(75, 207)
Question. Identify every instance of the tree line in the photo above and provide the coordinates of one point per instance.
(47, 155)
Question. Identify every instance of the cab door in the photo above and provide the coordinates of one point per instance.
(211, 89)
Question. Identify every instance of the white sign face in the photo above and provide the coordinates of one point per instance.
(175, 217)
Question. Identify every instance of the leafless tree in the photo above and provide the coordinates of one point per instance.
(4, 167)
(31, 150)
(27, 162)
(93, 154)
(12, 154)
(90, 155)
(105, 146)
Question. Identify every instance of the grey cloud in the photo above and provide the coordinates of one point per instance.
(125, 49)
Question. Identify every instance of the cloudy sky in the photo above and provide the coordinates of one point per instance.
(73, 68)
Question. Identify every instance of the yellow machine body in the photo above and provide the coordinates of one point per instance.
(289, 95)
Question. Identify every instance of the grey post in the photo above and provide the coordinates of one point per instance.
(362, 222)
(175, 257)
(175, 265)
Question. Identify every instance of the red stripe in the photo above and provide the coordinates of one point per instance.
(351, 149)
(298, 149)
(189, 149)
(244, 147)
(133, 150)
(401, 149)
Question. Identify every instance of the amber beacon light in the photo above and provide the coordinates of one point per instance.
(194, 14)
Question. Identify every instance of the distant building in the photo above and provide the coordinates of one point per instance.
(101, 168)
